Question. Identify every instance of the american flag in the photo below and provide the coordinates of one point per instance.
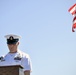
(72, 10)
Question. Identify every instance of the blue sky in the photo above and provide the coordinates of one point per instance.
(46, 30)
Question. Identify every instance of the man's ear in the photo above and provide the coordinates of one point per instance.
(18, 43)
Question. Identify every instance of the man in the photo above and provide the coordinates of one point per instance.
(15, 56)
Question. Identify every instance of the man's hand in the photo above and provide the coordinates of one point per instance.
(27, 72)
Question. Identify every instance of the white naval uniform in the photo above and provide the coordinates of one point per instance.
(9, 59)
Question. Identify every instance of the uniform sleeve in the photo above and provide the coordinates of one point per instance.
(26, 63)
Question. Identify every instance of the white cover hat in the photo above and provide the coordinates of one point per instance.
(13, 35)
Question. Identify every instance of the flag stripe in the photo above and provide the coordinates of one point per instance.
(72, 10)
(72, 7)
(74, 25)
(74, 21)
(74, 18)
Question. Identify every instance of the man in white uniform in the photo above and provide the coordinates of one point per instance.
(15, 56)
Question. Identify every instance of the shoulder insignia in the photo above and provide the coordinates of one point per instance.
(17, 58)
(2, 58)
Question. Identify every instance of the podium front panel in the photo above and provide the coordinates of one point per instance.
(11, 70)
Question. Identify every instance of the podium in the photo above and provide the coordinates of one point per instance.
(11, 70)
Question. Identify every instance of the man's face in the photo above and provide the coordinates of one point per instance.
(13, 47)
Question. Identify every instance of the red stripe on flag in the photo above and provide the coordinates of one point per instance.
(74, 19)
(73, 27)
(74, 12)
(72, 7)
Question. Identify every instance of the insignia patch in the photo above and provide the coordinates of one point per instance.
(11, 38)
(17, 58)
(2, 58)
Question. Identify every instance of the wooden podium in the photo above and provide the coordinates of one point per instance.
(11, 70)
